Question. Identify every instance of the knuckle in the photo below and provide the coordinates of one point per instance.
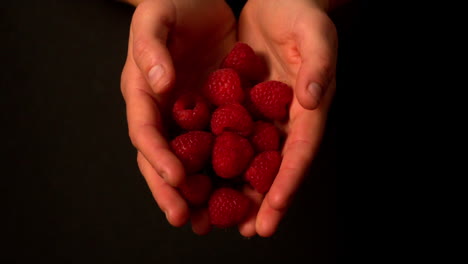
(325, 62)
(140, 160)
(278, 201)
(123, 81)
(327, 68)
(332, 32)
(330, 26)
(134, 137)
(141, 49)
(324, 68)
(141, 10)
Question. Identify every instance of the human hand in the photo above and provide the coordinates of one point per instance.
(299, 43)
(173, 46)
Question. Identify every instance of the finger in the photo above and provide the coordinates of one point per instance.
(299, 149)
(268, 219)
(150, 27)
(317, 49)
(247, 228)
(145, 126)
(201, 221)
(297, 157)
(167, 198)
(303, 140)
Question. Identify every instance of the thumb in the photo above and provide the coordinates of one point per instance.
(317, 48)
(151, 23)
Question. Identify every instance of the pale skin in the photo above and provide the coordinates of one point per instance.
(187, 39)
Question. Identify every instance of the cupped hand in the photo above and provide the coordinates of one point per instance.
(299, 44)
(173, 46)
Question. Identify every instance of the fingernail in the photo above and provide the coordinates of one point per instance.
(155, 74)
(315, 90)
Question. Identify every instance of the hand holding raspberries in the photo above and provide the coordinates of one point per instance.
(277, 138)
(173, 46)
(299, 43)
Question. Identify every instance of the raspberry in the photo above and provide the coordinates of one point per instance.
(272, 99)
(196, 189)
(250, 106)
(263, 169)
(243, 60)
(193, 149)
(224, 86)
(231, 155)
(265, 137)
(227, 207)
(191, 112)
(231, 117)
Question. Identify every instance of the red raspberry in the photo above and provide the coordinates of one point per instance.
(231, 117)
(227, 207)
(263, 169)
(272, 99)
(231, 155)
(224, 86)
(250, 106)
(196, 189)
(265, 137)
(243, 59)
(193, 149)
(191, 112)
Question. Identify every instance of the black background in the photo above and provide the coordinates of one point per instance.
(74, 192)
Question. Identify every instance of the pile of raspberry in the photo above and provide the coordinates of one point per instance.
(227, 136)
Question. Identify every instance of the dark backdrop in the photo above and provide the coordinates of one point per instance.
(74, 192)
